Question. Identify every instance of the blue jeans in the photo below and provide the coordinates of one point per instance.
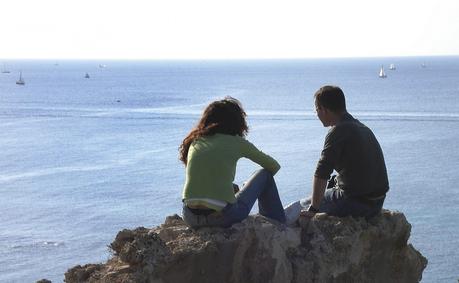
(336, 203)
(261, 186)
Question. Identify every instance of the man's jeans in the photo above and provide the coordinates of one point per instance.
(336, 203)
(261, 186)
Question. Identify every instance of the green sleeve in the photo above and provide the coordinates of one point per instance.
(251, 152)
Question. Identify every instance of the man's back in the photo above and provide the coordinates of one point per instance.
(354, 152)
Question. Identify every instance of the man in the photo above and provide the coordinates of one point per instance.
(352, 150)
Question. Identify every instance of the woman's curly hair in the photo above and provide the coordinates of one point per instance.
(224, 116)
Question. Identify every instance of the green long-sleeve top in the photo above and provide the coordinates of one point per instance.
(212, 162)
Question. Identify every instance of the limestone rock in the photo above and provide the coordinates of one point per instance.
(318, 249)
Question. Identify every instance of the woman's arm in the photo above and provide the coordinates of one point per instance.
(251, 152)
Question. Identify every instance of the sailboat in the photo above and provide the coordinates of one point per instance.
(86, 76)
(423, 65)
(392, 67)
(21, 80)
(5, 70)
(381, 73)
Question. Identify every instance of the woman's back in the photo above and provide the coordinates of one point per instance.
(212, 166)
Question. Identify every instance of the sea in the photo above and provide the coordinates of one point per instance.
(83, 158)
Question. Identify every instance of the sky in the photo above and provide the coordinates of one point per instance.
(235, 29)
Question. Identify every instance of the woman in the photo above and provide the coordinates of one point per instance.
(210, 153)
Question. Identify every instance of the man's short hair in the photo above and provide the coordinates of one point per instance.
(331, 97)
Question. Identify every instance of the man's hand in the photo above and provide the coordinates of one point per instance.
(310, 212)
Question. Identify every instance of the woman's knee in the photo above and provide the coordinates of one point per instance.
(264, 173)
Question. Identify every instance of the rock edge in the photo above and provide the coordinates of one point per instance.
(318, 249)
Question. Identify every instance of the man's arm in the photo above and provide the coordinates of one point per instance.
(331, 153)
(318, 189)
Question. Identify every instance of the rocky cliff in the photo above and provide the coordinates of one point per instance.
(318, 249)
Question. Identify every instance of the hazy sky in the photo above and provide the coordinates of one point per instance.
(172, 29)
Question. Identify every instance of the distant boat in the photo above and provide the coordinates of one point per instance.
(392, 67)
(5, 70)
(423, 65)
(21, 80)
(102, 66)
(86, 76)
(382, 74)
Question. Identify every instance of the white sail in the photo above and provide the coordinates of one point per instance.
(4, 69)
(381, 73)
(392, 67)
(21, 80)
